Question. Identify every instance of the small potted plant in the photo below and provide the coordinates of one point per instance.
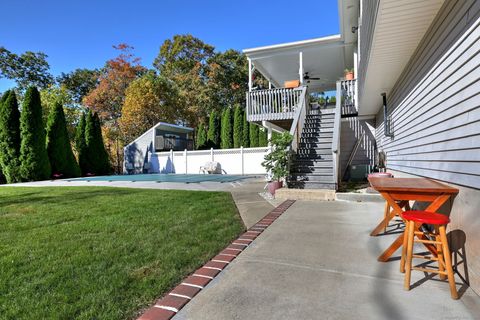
(349, 74)
(276, 162)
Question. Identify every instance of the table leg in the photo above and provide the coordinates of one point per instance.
(433, 207)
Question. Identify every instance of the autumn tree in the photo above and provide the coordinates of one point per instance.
(9, 137)
(79, 82)
(108, 97)
(183, 59)
(33, 153)
(27, 69)
(148, 100)
(227, 74)
(62, 160)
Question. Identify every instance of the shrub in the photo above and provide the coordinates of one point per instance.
(262, 137)
(97, 161)
(245, 132)
(276, 162)
(59, 149)
(201, 137)
(253, 135)
(227, 132)
(33, 152)
(238, 127)
(213, 134)
(81, 145)
(10, 137)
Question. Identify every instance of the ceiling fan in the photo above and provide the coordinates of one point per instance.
(308, 78)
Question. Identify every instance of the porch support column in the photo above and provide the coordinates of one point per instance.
(250, 84)
(300, 69)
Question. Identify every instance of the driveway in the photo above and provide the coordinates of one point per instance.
(317, 261)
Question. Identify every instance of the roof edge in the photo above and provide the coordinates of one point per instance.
(288, 45)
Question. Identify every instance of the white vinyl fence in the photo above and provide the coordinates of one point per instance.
(233, 161)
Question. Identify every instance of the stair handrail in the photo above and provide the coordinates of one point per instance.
(336, 133)
(299, 120)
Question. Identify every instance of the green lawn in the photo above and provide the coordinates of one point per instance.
(103, 253)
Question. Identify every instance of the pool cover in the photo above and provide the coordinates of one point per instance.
(182, 178)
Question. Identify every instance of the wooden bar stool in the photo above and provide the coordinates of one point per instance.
(443, 258)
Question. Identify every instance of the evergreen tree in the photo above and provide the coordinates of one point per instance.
(201, 137)
(262, 137)
(33, 152)
(9, 137)
(238, 127)
(227, 132)
(253, 135)
(97, 157)
(213, 134)
(81, 145)
(59, 149)
(245, 132)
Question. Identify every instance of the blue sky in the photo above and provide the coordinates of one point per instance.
(80, 33)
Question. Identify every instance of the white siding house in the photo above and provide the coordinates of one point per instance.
(424, 58)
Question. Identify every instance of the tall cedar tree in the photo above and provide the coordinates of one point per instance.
(238, 127)
(253, 135)
(59, 149)
(245, 132)
(201, 137)
(10, 137)
(81, 145)
(227, 132)
(97, 157)
(213, 134)
(262, 137)
(33, 152)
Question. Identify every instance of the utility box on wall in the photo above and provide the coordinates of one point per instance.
(359, 172)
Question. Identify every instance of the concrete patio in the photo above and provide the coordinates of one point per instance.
(317, 261)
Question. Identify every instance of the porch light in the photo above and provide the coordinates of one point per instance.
(386, 119)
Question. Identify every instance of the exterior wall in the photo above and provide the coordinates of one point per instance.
(434, 110)
(351, 131)
(138, 152)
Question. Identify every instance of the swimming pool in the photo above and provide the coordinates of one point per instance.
(154, 177)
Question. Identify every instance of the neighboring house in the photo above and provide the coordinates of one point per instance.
(161, 137)
(423, 56)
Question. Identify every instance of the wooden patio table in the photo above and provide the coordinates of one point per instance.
(398, 190)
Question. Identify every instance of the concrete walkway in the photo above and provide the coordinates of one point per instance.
(317, 261)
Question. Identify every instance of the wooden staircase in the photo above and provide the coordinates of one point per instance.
(312, 167)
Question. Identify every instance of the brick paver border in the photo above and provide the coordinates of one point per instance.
(166, 307)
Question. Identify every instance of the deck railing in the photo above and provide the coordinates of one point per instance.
(274, 104)
(348, 90)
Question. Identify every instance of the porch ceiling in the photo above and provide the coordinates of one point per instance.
(322, 57)
(399, 28)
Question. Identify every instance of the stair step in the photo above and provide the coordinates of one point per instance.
(313, 153)
(312, 170)
(312, 178)
(324, 138)
(311, 185)
(316, 145)
(317, 130)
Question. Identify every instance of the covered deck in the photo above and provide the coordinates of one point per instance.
(316, 65)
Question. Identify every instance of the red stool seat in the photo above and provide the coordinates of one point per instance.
(426, 217)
